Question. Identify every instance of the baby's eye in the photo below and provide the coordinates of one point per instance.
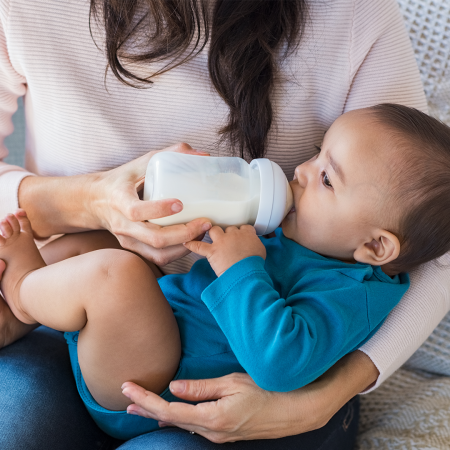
(326, 180)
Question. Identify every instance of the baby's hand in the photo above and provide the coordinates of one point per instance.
(228, 247)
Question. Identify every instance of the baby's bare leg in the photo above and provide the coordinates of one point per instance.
(128, 331)
(71, 245)
(12, 329)
(67, 246)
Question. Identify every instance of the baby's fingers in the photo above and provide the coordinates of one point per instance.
(216, 233)
(199, 247)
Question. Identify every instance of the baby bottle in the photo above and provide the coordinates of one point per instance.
(227, 190)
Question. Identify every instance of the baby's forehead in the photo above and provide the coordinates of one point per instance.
(363, 117)
(365, 149)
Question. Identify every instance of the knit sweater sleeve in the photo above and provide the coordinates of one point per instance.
(383, 69)
(412, 320)
(12, 86)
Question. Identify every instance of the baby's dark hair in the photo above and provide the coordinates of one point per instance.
(422, 181)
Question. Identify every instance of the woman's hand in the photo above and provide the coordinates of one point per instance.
(109, 200)
(115, 202)
(243, 411)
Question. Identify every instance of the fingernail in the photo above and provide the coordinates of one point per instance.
(132, 413)
(126, 394)
(177, 387)
(206, 226)
(177, 207)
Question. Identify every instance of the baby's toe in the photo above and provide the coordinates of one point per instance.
(14, 223)
(24, 222)
(6, 229)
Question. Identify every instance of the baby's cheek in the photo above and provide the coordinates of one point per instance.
(287, 226)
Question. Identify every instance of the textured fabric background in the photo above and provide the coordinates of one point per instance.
(411, 410)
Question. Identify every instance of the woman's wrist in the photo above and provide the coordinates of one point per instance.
(57, 205)
(353, 374)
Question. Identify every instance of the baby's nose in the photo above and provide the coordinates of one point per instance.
(300, 175)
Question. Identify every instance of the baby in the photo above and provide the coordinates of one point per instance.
(372, 204)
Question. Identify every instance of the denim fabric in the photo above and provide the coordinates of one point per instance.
(40, 409)
(338, 434)
(39, 404)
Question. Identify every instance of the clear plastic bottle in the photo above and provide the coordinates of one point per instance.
(227, 190)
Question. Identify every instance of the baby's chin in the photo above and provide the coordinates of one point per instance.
(288, 227)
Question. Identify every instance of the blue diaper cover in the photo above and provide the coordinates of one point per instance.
(205, 354)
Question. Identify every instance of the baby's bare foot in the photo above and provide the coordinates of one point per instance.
(19, 252)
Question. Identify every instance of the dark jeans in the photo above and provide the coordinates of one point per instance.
(40, 410)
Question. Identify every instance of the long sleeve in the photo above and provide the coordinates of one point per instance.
(286, 343)
(12, 86)
(412, 320)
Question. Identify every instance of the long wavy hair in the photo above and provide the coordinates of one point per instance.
(248, 38)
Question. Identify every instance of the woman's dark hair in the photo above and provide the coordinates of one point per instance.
(246, 39)
(422, 183)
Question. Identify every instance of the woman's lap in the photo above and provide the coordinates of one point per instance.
(338, 434)
(39, 404)
(40, 408)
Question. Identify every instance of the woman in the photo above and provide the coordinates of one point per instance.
(256, 77)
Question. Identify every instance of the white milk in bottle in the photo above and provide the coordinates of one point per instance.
(226, 190)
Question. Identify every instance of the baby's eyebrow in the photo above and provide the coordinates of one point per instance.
(337, 168)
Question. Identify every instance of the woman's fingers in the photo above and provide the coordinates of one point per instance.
(126, 201)
(152, 406)
(200, 390)
(160, 257)
(138, 166)
(116, 206)
(137, 210)
(182, 147)
(161, 237)
(219, 421)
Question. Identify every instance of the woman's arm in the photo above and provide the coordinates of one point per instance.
(12, 86)
(244, 412)
(413, 319)
(109, 200)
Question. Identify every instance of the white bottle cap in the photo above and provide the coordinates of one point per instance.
(275, 198)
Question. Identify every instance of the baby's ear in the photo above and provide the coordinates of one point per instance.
(382, 249)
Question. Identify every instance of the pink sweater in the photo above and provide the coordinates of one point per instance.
(355, 53)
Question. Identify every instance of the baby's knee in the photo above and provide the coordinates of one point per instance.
(121, 264)
(119, 273)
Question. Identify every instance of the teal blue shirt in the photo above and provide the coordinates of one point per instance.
(290, 317)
